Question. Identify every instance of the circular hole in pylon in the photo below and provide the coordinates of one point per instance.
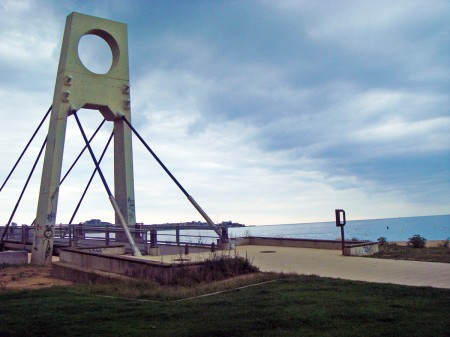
(95, 54)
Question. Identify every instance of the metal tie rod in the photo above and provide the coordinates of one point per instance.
(75, 161)
(190, 198)
(23, 191)
(26, 147)
(82, 151)
(113, 201)
(90, 179)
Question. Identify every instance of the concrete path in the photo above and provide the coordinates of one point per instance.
(331, 263)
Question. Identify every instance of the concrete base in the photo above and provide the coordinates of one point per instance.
(224, 246)
(82, 264)
(74, 273)
(369, 248)
(14, 257)
(153, 251)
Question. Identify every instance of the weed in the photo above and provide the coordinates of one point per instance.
(382, 241)
(216, 268)
(432, 254)
(146, 289)
(445, 243)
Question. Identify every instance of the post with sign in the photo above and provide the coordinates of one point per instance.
(340, 222)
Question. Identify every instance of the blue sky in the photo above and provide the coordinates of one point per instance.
(267, 112)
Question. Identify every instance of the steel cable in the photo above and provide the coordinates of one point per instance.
(119, 215)
(26, 147)
(189, 197)
(90, 179)
(21, 194)
(82, 151)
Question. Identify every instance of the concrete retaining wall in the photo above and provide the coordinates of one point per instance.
(120, 265)
(14, 257)
(28, 247)
(354, 248)
(105, 250)
(79, 274)
(288, 242)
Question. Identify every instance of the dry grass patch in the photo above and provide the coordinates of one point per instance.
(431, 254)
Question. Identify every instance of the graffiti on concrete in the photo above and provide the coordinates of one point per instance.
(131, 209)
(48, 236)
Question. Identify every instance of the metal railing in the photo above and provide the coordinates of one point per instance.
(144, 235)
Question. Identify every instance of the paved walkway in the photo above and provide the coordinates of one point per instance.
(331, 263)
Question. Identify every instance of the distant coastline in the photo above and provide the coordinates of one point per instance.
(202, 224)
(98, 222)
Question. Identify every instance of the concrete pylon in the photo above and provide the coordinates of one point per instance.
(76, 88)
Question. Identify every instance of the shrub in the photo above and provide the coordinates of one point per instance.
(216, 268)
(382, 241)
(445, 243)
(417, 241)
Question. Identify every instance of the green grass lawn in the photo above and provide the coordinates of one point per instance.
(293, 306)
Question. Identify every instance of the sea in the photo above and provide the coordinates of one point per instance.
(436, 227)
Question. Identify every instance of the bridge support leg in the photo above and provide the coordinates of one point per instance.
(76, 88)
(48, 196)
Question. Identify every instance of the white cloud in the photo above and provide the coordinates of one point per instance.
(417, 136)
(14, 7)
(23, 47)
(259, 129)
(27, 38)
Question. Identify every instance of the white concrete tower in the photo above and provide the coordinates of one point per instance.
(76, 88)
